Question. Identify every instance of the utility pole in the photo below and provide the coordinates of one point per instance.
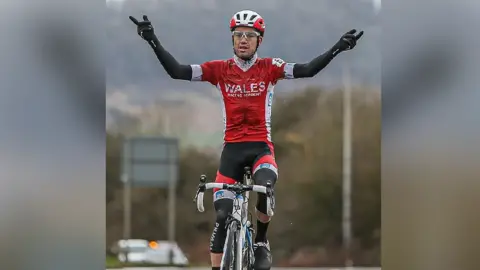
(127, 202)
(347, 167)
(171, 195)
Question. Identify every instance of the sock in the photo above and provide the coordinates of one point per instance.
(215, 268)
(261, 231)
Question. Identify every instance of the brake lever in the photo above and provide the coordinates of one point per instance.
(269, 189)
(196, 196)
(201, 187)
(271, 195)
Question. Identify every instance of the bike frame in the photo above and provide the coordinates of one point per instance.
(240, 216)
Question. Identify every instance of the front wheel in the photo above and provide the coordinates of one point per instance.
(248, 258)
(230, 249)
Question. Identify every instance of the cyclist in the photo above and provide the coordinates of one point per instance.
(246, 84)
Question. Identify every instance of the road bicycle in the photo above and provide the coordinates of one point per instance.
(238, 249)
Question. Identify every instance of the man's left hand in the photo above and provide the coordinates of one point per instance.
(347, 42)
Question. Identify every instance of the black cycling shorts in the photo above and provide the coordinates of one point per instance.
(236, 156)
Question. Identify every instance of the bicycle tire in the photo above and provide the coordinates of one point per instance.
(230, 247)
(248, 258)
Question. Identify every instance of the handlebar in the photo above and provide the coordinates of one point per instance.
(236, 188)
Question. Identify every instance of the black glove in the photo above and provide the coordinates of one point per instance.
(144, 29)
(347, 42)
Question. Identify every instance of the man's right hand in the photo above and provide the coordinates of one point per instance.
(347, 42)
(144, 28)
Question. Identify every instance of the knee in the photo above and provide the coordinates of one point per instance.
(221, 215)
(265, 173)
(223, 207)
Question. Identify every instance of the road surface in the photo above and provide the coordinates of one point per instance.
(274, 268)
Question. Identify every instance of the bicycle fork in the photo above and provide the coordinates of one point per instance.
(248, 255)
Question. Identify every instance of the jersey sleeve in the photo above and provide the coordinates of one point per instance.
(280, 70)
(207, 72)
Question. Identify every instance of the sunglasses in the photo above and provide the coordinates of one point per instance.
(247, 35)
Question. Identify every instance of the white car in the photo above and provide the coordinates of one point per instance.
(155, 252)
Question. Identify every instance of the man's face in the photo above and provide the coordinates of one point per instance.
(245, 41)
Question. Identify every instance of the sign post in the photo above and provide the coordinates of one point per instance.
(150, 162)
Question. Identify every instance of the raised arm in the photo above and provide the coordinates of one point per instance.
(312, 68)
(169, 63)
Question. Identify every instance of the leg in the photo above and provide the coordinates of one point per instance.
(223, 203)
(264, 170)
(232, 163)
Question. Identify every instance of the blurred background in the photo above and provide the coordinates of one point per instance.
(326, 130)
(54, 58)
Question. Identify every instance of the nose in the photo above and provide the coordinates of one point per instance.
(244, 37)
(244, 40)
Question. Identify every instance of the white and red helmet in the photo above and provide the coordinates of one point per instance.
(248, 18)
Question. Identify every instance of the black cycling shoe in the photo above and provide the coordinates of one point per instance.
(263, 257)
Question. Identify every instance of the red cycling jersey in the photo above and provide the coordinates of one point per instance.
(247, 94)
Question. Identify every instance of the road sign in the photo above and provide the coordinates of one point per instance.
(150, 161)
